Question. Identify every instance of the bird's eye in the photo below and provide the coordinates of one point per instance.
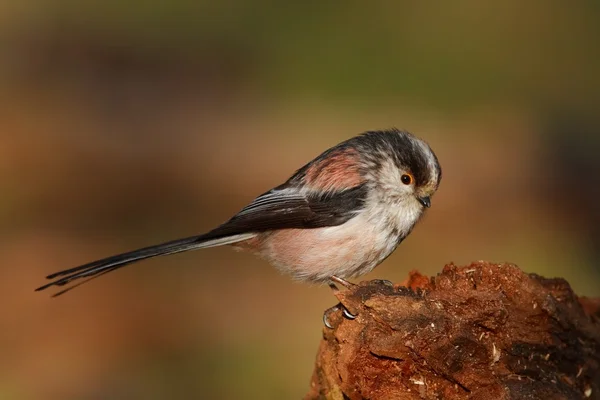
(406, 179)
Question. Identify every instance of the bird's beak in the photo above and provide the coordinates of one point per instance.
(425, 200)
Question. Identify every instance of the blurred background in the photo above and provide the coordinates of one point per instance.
(127, 123)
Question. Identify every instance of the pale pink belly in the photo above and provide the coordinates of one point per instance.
(317, 254)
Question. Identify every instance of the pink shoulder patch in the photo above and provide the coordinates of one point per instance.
(340, 170)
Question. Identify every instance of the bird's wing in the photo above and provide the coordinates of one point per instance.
(281, 208)
(325, 192)
(288, 207)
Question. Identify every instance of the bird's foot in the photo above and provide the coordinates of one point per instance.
(343, 282)
(338, 306)
(349, 298)
(383, 282)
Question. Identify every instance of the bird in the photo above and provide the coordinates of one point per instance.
(337, 217)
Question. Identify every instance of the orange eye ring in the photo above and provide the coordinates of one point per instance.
(407, 179)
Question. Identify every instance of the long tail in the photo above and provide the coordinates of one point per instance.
(97, 268)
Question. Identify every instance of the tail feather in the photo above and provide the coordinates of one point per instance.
(100, 267)
(68, 289)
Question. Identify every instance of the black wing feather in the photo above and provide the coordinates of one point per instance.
(287, 209)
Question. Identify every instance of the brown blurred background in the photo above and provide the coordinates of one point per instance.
(127, 123)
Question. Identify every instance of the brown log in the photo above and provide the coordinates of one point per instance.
(483, 331)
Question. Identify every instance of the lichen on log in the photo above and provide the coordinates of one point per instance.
(483, 331)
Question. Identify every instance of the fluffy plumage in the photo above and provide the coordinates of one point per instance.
(340, 215)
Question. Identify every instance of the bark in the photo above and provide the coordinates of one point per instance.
(484, 331)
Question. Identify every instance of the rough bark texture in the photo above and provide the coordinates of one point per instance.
(484, 331)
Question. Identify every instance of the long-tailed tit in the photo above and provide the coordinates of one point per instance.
(337, 217)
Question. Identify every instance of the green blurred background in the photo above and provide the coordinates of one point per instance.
(126, 123)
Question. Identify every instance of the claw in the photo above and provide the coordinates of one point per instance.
(335, 308)
(326, 315)
(347, 313)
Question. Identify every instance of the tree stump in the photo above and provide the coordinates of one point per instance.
(484, 331)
